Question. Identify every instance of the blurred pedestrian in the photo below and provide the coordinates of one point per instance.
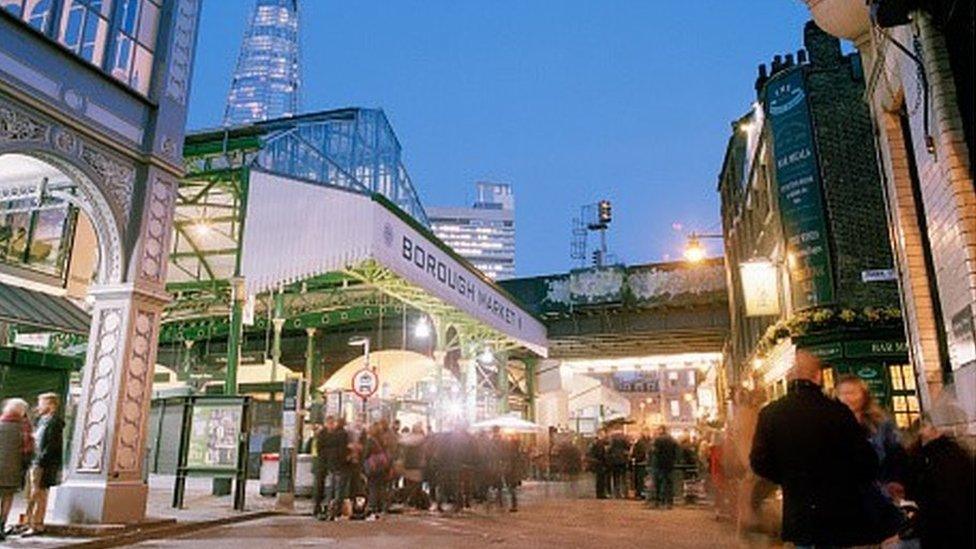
(813, 447)
(597, 460)
(880, 431)
(16, 448)
(412, 458)
(45, 469)
(331, 478)
(664, 456)
(376, 465)
(941, 483)
(618, 458)
(638, 457)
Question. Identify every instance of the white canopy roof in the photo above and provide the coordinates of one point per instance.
(295, 230)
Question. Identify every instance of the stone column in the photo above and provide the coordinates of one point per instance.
(105, 473)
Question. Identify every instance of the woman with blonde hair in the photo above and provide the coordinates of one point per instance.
(16, 448)
(880, 431)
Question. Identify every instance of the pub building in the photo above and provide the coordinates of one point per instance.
(808, 257)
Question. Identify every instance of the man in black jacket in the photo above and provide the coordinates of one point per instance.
(814, 449)
(663, 457)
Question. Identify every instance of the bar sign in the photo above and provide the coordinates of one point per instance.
(878, 275)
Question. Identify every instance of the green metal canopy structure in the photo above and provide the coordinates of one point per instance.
(312, 222)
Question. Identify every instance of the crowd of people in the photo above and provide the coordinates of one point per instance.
(363, 473)
(654, 467)
(31, 456)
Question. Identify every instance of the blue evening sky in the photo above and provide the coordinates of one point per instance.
(570, 101)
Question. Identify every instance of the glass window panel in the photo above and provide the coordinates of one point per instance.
(93, 41)
(902, 421)
(896, 383)
(900, 404)
(13, 6)
(148, 25)
(71, 20)
(142, 70)
(122, 59)
(103, 7)
(909, 376)
(128, 12)
(913, 403)
(37, 13)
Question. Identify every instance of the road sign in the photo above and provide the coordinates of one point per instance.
(365, 382)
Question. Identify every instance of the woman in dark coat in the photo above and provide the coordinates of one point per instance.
(16, 447)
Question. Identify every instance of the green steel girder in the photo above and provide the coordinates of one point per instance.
(219, 327)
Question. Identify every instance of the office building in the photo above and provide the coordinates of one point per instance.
(484, 234)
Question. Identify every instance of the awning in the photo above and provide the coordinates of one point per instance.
(295, 230)
(40, 310)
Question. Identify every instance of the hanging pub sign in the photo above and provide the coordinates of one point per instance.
(801, 201)
(760, 288)
(365, 382)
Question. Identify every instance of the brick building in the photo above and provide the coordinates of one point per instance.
(804, 224)
(918, 60)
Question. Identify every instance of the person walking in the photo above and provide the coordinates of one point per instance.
(16, 448)
(941, 482)
(881, 433)
(376, 464)
(664, 455)
(46, 466)
(597, 458)
(813, 447)
(412, 456)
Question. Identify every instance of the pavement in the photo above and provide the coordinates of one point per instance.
(550, 515)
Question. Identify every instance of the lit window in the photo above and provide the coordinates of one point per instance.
(675, 408)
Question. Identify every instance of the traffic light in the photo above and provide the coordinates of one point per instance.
(605, 211)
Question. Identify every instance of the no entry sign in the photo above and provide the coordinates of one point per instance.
(365, 383)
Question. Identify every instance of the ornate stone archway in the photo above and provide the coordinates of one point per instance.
(130, 204)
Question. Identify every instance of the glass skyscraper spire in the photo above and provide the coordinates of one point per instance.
(266, 80)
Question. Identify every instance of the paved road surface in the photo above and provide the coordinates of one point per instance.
(542, 522)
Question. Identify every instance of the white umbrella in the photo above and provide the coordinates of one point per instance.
(507, 423)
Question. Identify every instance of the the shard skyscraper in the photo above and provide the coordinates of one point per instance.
(266, 80)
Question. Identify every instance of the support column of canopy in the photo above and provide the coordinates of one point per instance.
(311, 392)
(278, 324)
(501, 359)
(531, 364)
(439, 356)
(238, 297)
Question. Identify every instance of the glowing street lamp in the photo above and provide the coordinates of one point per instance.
(695, 251)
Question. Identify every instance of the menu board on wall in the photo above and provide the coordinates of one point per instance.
(214, 433)
(801, 200)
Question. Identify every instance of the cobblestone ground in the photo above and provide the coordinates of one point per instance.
(544, 520)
